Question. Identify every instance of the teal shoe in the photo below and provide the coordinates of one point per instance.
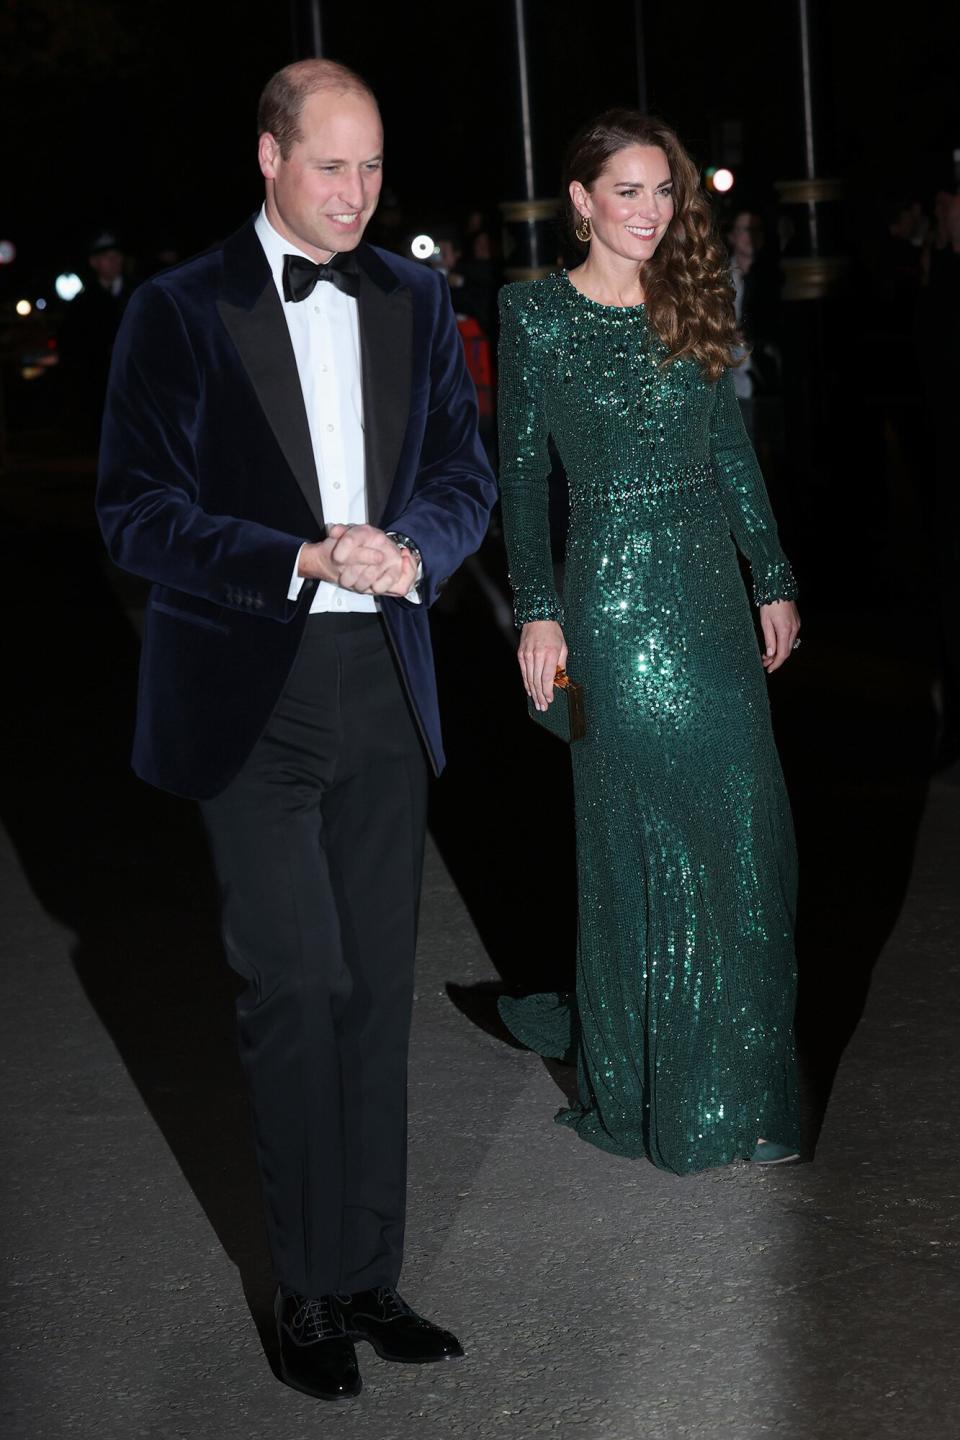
(768, 1152)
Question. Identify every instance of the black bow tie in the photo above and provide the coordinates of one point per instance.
(300, 277)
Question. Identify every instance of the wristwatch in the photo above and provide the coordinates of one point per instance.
(405, 543)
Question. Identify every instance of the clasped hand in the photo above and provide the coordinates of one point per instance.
(360, 558)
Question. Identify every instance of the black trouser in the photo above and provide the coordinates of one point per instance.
(318, 845)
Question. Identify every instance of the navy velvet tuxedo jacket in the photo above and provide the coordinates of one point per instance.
(208, 488)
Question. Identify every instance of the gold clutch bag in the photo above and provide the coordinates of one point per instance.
(565, 717)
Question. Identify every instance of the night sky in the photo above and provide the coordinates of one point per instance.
(142, 116)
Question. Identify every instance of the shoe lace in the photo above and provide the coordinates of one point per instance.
(314, 1320)
(392, 1305)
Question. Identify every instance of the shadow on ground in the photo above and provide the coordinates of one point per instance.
(125, 869)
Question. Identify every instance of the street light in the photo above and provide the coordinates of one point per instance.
(68, 285)
(718, 179)
(422, 247)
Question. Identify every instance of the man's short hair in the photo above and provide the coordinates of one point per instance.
(284, 94)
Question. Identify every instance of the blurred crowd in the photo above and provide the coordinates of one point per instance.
(904, 275)
(56, 347)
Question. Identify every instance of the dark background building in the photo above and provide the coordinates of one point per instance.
(142, 116)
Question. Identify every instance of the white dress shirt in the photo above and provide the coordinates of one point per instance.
(325, 334)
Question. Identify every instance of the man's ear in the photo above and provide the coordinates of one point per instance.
(268, 154)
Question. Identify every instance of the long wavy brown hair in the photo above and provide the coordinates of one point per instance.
(686, 282)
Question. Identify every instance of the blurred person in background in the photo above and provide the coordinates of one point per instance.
(481, 242)
(895, 259)
(473, 283)
(87, 334)
(473, 293)
(756, 289)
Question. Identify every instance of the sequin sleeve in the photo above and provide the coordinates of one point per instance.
(745, 499)
(524, 463)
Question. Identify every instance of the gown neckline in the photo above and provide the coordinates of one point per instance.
(597, 304)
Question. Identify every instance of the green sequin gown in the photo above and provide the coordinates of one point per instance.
(682, 1022)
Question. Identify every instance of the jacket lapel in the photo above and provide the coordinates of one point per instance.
(250, 308)
(386, 350)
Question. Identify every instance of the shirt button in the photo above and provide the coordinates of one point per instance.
(329, 427)
(339, 601)
(316, 309)
(336, 484)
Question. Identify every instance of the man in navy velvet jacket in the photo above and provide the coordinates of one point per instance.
(290, 455)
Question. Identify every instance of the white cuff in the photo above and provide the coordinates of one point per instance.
(296, 579)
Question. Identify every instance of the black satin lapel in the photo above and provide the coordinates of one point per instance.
(263, 340)
(386, 349)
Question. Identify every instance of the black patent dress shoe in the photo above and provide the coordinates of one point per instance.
(394, 1330)
(316, 1354)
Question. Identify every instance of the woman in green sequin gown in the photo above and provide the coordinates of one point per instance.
(682, 1022)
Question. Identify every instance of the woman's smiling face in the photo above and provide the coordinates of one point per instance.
(630, 204)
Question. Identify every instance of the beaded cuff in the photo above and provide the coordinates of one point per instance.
(527, 608)
(774, 582)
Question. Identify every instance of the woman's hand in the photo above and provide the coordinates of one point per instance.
(780, 623)
(542, 652)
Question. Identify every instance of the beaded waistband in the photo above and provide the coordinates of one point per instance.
(650, 489)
